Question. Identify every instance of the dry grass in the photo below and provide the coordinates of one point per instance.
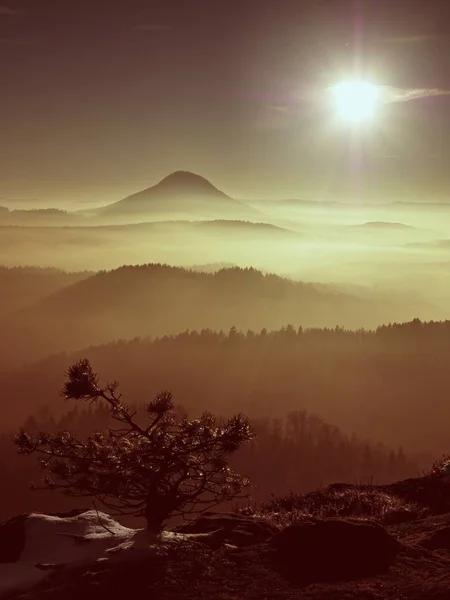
(438, 466)
(344, 502)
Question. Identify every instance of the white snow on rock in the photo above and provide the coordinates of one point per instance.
(64, 541)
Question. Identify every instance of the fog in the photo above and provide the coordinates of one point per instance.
(399, 248)
(292, 310)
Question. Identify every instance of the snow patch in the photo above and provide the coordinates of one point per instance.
(65, 542)
(61, 541)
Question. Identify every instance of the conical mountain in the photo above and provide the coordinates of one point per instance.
(183, 193)
(185, 182)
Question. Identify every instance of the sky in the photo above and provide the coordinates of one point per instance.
(101, 98)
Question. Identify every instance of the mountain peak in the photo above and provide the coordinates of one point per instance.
(188, 182)
(183, 193)
(183, 176)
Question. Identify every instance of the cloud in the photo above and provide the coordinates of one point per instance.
(282, 114)
(393, 94)
(5, 11)
(409, 39)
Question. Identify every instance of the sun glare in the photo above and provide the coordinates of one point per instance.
(355, 100)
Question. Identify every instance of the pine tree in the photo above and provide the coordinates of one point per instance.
(167, 466)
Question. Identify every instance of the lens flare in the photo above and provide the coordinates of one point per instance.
(355, 100)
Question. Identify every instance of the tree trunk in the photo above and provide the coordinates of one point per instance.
(154, 521)
(159, 508)
(157, 511)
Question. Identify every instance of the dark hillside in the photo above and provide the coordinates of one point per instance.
(21, 287)
(376, 384)
(157, 300)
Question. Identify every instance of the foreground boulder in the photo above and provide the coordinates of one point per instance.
(235, 529)
(333, 549)
(438, 539)
(33, 546)
(12, 539)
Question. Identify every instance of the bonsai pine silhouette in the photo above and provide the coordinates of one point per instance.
(166, 466)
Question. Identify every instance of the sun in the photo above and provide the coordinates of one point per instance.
(355, 101)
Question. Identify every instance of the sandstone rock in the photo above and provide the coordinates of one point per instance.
(436, 540)
(334, 549)
(238, 530)
(12, 539)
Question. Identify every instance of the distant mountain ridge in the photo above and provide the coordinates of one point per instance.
(23, 286)
(383, 225)
(158, 299)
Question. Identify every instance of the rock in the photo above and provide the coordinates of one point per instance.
(213, 539)
(436, 540)
(12, 539)
(238, 530)
(428, 491)
(35, 546)
(13, 536)
(74, 512)
(333, 549)
(49, 566)
(401, 515)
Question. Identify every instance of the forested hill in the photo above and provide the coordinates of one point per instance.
(374, 383)
(158, 300)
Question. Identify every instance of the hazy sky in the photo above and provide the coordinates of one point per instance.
(100, 98)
